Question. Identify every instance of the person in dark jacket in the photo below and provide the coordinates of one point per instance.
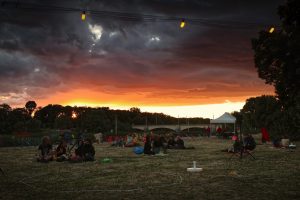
(148, 146)
(88, 150)
(61, 151)
(249, 142)
(171, 142)
(179, 143)
(164, 143)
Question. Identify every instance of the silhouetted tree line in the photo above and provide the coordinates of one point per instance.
(101, 119)
(266, 111)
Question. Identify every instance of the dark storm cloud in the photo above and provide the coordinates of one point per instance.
(45, 51)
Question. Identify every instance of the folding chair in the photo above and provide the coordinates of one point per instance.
(247, 152)
(242, 152)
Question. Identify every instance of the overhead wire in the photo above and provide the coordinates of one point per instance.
(127, 16)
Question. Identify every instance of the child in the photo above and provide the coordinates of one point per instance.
(45, 149)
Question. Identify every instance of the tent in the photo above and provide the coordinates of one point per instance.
(226, 118)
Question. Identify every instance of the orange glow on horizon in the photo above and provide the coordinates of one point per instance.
(174, 102)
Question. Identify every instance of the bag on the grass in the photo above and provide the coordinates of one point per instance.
(138, 150)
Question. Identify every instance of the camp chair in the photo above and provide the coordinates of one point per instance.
(242, 152)
(241, 149)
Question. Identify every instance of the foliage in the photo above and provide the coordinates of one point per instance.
(277, 59)
(259, 112)
(30, 106)
(82, 119)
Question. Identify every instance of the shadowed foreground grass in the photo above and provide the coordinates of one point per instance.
(273, 175)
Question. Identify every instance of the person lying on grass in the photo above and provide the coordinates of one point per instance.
(84, 152)
(45, 150)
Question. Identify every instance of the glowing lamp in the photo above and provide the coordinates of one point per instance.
(182, 24)
(271, 30)
(74, 115)
(83, 15)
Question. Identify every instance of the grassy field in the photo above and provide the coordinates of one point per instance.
(273, 175)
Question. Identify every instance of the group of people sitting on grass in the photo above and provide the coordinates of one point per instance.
(84, 151)
(131, 140)
(283, 142)
(153, 143)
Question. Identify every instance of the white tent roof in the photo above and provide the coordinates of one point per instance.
(226, 118)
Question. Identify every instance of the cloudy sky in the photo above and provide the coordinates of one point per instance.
(51, 56)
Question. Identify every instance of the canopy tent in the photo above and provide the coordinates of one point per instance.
(226, 118)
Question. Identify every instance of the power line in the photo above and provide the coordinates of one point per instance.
(126, 16)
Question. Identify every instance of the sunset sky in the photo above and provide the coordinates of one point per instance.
(202, 70)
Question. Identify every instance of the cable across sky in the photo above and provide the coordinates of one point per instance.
(128, 16)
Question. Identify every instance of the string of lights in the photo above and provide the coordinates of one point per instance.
(85, 13)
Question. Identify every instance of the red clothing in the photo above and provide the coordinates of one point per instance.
(265, 135)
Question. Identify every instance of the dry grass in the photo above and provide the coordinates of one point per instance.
(273, 175)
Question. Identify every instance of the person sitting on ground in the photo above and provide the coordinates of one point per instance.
(236, 146)
(164, 143)
(118, 142)
(156, 144)
(129, 141)
(45, 150)
(179, 143)
(88, 150)
(78, 155)
(61, 151)
(249, 142)
(285, 142)
(171, 142)
(135, 140)
(148, 146)
(277, 143)
(84, 152)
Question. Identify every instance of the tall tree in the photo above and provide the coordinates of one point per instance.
(260, 112)
(30, 106)
(277, 59)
